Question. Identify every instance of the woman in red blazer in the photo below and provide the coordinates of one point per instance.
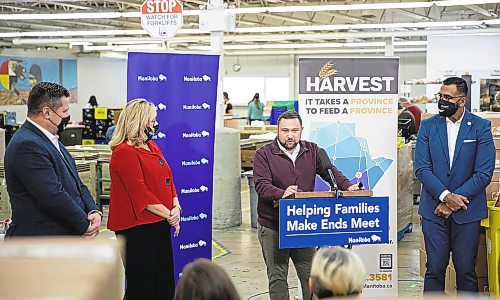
(144, 204)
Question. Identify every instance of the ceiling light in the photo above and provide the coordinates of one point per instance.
(320, 51)
(123, 48)
(311, 45)
(277, 37)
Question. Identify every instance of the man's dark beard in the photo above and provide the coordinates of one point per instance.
(286, 147)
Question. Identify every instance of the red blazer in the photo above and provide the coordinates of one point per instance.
(138, 178)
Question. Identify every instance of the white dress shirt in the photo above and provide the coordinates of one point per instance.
(53, 138)
(452, 130)
(293, 155)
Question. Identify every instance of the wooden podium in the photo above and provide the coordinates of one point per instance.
(330, 194)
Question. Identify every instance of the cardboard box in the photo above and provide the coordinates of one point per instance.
(61, 268)
(482, 285)
(493, 187)
(450, 287)
(496, 141)
(422, 242)
(482, 257)
(496, 174)
(423, 260)
(494, 117)
(426, 116)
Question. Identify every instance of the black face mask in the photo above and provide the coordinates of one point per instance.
(63, 124)
(151, 131)
(446, 108)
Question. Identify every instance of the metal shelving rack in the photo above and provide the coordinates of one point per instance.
(101, 198)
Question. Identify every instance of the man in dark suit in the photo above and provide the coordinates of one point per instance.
(46, 193)
(454, 161)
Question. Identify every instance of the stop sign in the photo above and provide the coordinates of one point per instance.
(161, 18)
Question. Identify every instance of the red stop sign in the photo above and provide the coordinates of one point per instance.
(161, 18)
(161, 6)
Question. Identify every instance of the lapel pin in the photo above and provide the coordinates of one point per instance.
(469, 123)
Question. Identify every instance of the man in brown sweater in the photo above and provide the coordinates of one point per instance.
(281, 168)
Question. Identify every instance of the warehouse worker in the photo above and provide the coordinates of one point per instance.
(281, 168)
(454, 161)
(46, 193)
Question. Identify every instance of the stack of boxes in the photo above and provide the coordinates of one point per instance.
(494, 187)
(96, 122)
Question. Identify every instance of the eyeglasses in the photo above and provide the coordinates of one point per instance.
(440, 96)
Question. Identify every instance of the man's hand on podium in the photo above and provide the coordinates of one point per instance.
(290, 190)
(356, 187)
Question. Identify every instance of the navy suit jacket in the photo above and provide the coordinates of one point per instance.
(46, 193)
(473, 165)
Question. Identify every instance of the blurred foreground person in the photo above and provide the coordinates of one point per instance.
(336, 273)
(204, 280)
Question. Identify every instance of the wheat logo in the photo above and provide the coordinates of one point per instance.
(327, 70)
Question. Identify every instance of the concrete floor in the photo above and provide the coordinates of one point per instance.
(238, 251)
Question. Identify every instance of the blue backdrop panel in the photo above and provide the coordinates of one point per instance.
(184, 89)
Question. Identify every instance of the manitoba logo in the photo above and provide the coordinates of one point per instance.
(202, 78)
(152, 78)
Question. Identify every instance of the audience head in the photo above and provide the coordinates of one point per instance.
(137, 115)
(204, 280)
(336, 272)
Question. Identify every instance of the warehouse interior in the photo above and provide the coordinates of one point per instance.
(260, 44)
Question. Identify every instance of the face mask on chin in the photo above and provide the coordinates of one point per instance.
(446, 108)
(150, 132)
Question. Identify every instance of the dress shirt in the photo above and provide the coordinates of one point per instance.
(452, 130)
(293, 155)
(54, 138)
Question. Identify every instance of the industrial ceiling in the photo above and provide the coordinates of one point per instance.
(262, 26)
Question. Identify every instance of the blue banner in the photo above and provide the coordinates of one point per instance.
(184, 89)
(333, 221)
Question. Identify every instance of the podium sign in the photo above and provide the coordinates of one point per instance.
(333, 221)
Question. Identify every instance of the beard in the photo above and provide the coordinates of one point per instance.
(289, 144)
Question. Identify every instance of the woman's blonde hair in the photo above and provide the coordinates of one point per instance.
(132, 122)
(337, 272)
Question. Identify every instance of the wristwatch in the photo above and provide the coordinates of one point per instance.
(179, 207)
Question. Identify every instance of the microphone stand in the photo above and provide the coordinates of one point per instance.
(333, 186)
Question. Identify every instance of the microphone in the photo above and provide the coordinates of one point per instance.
(327, 164)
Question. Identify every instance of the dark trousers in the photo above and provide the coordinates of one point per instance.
(149, 265)
(461, 240)
(277, 264)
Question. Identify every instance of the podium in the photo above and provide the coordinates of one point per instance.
(315, 219)
(330, 194)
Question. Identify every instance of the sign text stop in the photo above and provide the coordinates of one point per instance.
(161, 18)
